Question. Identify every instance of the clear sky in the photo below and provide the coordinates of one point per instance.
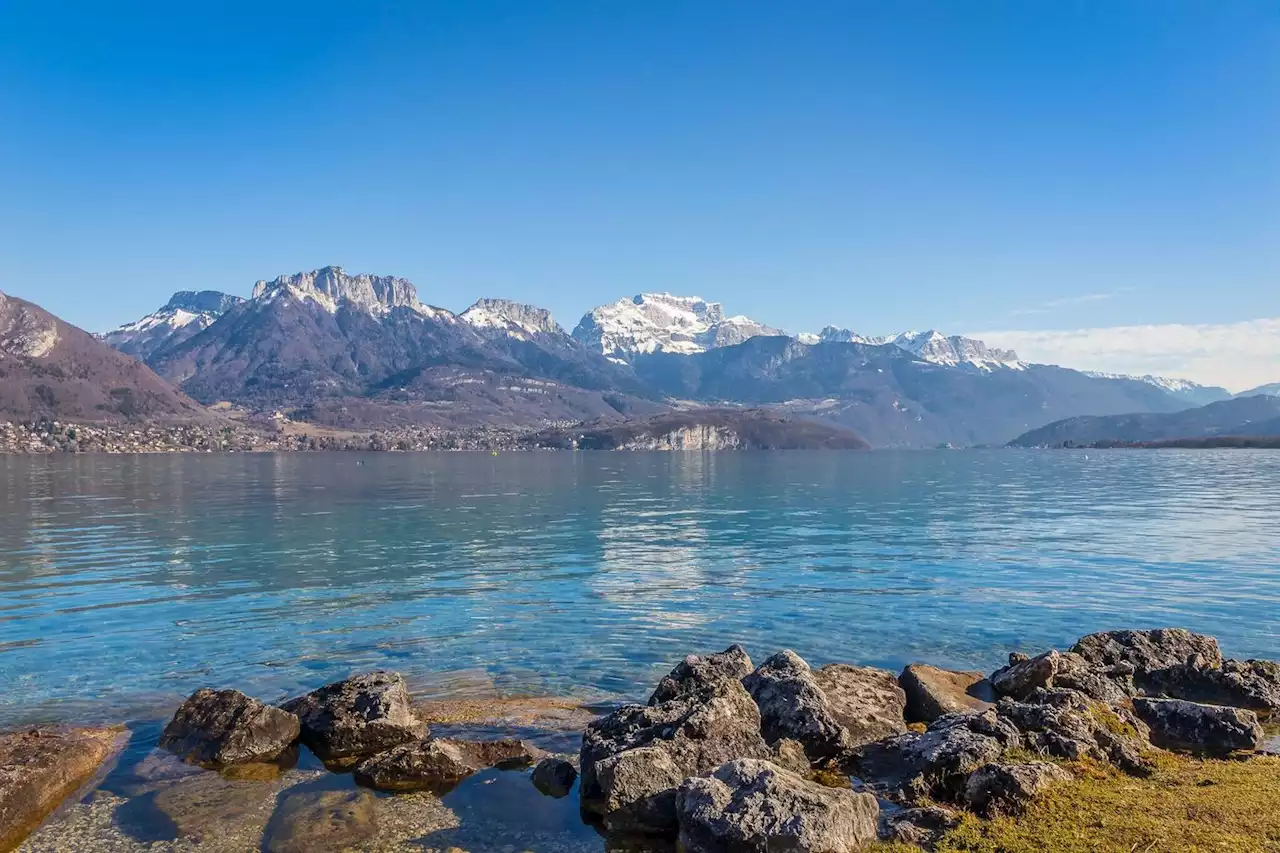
(977, 164)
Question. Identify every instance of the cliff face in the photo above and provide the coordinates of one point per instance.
(693, 437)
(705, 429)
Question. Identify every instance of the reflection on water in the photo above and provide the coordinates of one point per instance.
(127, 582)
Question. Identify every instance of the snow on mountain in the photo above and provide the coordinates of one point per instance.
(1185, 389)
(517, 319)
(661, 322)
(330, 287)
(186, 314)
(930, 346)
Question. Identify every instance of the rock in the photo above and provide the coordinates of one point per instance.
(216, 728)
(1052, 670)
(1135, 658)
(752, 806)
(792, 705)
(867, 702)
(554, 777)
(439, 764)
(790, 755)
(634, 758)
(356, 717)
(922, 826)
(312, 821)
(1252, 684)
(1067, 724)
(39, 767)
(995, 789)
(937, 762)
(208, 807)
(696, 673)
(1201, 729)
(932, 693)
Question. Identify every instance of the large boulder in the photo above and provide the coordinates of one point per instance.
(1056, 670)
(311, 821)
(792, 705)
(1137, 658)
(357, 717)
(1201, 729)
(935, 763)
(995, 789)
(751, 806)
(932, 692)
(39, 767)
(1252, 684)
(217, 728)
(867, 702)
(439, 764)
(633, 759)
(1067, 724)
(696, 673)
(554, 777)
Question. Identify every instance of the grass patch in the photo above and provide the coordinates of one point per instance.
(1110, 720)
(1186, 806)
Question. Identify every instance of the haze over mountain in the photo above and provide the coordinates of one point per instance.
(1253, 416)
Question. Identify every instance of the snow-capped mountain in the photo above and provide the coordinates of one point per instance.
(187, 313)
(661, 322)
(331, 287)
(1192, 392)
(930, 346)
(515, 318)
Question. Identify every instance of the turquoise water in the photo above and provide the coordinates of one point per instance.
(127, 582)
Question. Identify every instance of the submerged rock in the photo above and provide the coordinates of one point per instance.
(1201, 729)
(211, 808)
(634, 758)
(39, 767)
(867, 702)
(554, 777)
(995, 789)
(356, 717)
(697, 673)
(216, 728)
(311, 821)
(932, 692)
(752, 806)
(439, 764)
(792, 705)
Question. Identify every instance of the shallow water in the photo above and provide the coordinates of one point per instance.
(127, 582)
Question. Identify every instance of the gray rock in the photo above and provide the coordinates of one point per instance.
(1053, 670)
(790, 755)
(312, 821)
(932, 692)
(792, 705)
(634, 758)
(1252, 684)
(210, 808)
(216, 728)
(696, 673)
(439, 764)
(1067, 724)
(554, 777)
(937, 762)
(1142, 655)
(1201, 729)
(356, 717)
(868, 702)
(995, 789)
(923, 826)
(751, 806)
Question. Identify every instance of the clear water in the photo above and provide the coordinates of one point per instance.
(127, 582)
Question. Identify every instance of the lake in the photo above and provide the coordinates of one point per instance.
(128, 582)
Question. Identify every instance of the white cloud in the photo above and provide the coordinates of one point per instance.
(1236, 356)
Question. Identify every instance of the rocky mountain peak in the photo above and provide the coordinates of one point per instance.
(331, 286)
(663, 322)
(202, 302)
(514, 317)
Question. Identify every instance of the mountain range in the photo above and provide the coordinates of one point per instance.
(363, 350)
(1255, 416)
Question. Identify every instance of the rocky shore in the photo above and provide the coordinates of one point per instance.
(726, 756)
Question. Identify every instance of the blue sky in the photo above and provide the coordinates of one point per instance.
(963, 165)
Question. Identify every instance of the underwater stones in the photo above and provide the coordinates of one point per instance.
(439, 764)
(867, 702)
(634, 758)
(310, 821)
(208, 807)
(1200, 729)
(357, 717)
(995, 789)
(216, 728)
(554, 777)
(39, 767)
(793, 705)
(752, 806)
(932, 692)
(697, 673)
